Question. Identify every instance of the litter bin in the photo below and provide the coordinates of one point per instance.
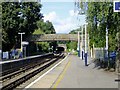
(112, 57)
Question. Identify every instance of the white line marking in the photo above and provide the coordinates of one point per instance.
(44, 74)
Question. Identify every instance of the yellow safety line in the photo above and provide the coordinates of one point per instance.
(61, 76)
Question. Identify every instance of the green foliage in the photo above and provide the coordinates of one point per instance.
(71, 45)
(43, 46)
(75, 31)
(103, 11)
(38, 31)
(46, 27)
(100, 17)
(18, 17)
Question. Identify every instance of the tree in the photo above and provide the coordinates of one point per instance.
(45, 28)
(73, 44)
(18, 17)
(99, 16)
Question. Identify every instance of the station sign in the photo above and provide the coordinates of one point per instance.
(25, 43)
(117, 6)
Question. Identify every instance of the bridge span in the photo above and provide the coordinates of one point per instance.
(53, 37)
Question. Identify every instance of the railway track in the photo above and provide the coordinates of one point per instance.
(21, 70)
(14, 79)
(15, 65)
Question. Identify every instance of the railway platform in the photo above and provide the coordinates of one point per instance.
(72, 73)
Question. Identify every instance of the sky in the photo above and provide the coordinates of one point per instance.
(62, 15)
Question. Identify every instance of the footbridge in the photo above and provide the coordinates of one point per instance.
(53, 37)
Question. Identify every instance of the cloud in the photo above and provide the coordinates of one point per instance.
(64, 28)
(51, 16)
(71, 12)
(64, 25)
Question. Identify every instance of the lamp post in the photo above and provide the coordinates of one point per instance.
(82, 44)
(106, 42)
(21, 41)
(107, 31)
(78, 44)
(85, 44)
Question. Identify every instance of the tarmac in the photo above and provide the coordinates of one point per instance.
(72, 73)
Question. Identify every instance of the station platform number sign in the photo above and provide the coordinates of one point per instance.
(117, 6)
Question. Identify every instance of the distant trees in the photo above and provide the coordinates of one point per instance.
(72, 44)
(18, 17)
(45, 28)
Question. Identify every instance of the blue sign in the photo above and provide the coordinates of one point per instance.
(117, 5)
(112, 54)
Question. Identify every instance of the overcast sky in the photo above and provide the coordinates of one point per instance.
(62, 15)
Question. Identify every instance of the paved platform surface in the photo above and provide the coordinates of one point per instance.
(72, 73)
